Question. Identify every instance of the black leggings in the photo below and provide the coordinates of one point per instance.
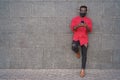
(75, 48)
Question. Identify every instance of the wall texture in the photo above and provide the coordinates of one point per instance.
(35, 34)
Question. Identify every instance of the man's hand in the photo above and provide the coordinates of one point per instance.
(76, 27)
(86, 26)
(82, 25)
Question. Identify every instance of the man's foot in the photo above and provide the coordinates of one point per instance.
(78, 55)
(82, 73)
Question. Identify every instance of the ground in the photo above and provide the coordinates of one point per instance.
(58, 74)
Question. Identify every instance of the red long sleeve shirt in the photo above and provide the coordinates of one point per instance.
(81, 33)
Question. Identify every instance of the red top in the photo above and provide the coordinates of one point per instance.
(81, 33)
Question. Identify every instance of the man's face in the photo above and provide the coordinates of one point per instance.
(83, 12)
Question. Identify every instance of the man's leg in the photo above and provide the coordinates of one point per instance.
(75, 48)
(84, 59)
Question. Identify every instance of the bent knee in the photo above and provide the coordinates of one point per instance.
(75, 48)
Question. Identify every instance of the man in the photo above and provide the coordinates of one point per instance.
(81, 26)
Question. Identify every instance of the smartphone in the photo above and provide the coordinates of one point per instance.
(82, 22)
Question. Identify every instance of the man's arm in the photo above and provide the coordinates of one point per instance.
(82, 25)
(88, 29)
(76, 27)
(89, 25)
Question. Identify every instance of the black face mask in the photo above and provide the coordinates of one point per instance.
(82, 14)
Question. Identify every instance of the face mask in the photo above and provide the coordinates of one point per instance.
(82, 14)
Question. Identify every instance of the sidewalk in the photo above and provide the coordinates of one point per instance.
(58, 74)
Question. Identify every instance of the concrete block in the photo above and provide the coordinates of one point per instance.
(110, 1)
(15, 58)
(111, 9)
(22, 0)
(44, 9)
(66, 9)
(116, 28)
(21, 40)
(4, 57)
(110, 41)
(107, 41)
(54, 25)
(4, 39)
(95, 41)
(20, 9)
(116, 58)
(4, 9)
(32, 58)
(108, 25)
(54, 57)
(106, 66)
(116, 39)
(63, 41)
(100, 59)
(116, 66)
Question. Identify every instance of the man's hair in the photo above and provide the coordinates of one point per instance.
(83, 6)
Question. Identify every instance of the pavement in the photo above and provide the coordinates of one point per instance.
(58, 74)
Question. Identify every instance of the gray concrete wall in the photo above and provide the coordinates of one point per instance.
(35, 34)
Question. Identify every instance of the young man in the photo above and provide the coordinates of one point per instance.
(81, 26)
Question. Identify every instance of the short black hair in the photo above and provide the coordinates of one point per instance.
(83, 6)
